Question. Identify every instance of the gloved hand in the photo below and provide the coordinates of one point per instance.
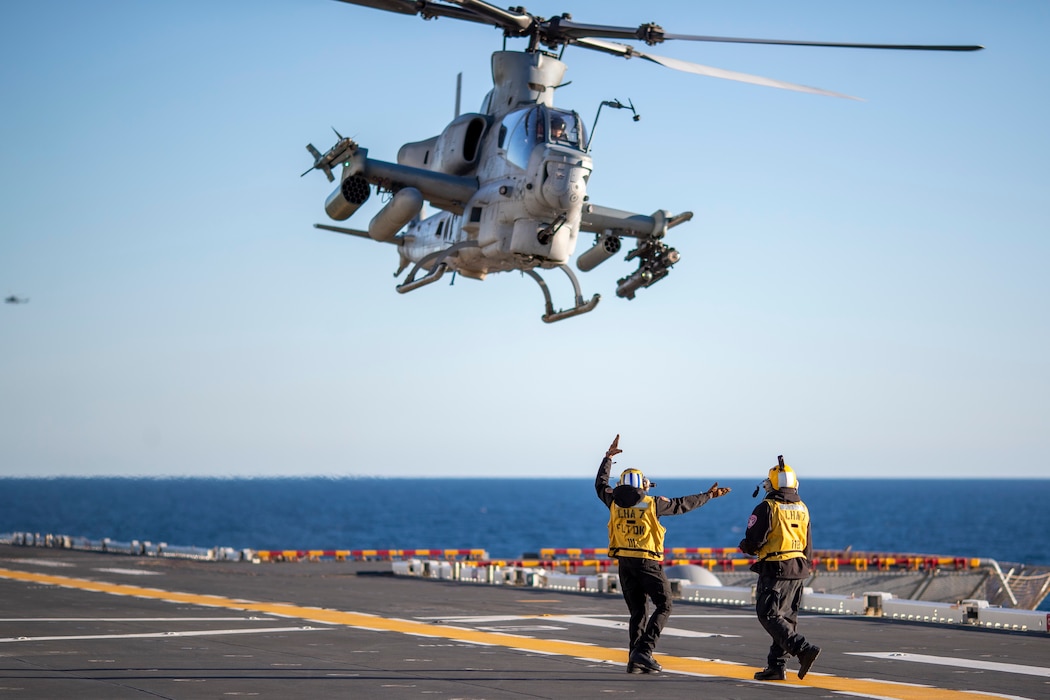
(614, 448)
(717, 492)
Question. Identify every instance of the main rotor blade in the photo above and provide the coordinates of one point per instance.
(405, 7)
(426, 10)
(840, 45)
(563, 30)
(698, 69)
(508, 19)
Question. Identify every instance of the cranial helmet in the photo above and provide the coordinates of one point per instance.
(633, 477)
(783, 476)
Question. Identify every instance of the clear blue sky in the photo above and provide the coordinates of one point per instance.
(863, 289)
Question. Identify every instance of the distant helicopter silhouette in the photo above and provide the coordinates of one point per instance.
(16, 300)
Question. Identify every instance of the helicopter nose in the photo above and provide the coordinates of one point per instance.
(564, 185)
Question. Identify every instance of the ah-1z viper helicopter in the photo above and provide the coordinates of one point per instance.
(511, 180)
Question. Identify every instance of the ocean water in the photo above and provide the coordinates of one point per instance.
(1006, 520)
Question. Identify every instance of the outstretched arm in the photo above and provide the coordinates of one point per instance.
(677, 506)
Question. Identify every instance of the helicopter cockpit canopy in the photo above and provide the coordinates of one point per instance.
(566, 129)
(522, 130)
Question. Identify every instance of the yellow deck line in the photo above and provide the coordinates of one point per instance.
(564, 648)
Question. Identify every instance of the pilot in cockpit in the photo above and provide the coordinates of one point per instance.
(557, 128)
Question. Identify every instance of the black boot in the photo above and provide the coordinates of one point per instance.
(643, 663)
(806, 657)
(631, 666)
(771, 673)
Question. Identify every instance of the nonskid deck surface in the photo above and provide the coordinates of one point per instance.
(84, 625)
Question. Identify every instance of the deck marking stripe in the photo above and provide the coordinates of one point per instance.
(136, 619)
(526, 644)
(958, 662)
(588, 620)
(151, 635)
(612, 624)
(130, 572)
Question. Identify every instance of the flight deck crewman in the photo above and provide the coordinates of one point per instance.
(636, 540)
(778, 533)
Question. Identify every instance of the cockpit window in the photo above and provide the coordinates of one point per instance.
(566, 129)
(524, 130)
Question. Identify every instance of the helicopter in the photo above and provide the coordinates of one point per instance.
(510, 181)
(16, 300)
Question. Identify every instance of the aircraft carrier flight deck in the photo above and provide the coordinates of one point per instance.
(88, 625)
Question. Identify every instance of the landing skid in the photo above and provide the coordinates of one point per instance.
(581, 307)
(434, 264)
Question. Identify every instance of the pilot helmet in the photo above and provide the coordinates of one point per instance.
(557, 123)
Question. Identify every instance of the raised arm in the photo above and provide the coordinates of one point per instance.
(601, 482)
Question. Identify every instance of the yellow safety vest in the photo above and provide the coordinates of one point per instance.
(789, 523)
(636, 531)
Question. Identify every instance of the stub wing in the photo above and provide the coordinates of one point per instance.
(598, 219)
(654, 257)
(444, 191)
